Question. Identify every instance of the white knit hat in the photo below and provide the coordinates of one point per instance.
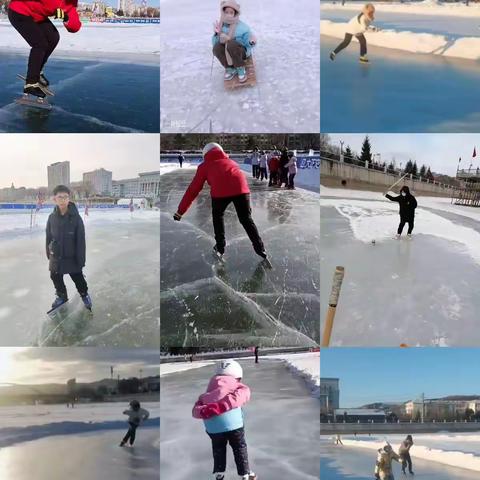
(210, 146)
(231, 368)
(232, 4)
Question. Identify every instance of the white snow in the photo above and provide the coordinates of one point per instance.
(135, 43)
(167, 167)
(168, 368)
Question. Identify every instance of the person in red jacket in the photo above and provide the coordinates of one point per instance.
(228, 184)
(30, 19)
(273, 167)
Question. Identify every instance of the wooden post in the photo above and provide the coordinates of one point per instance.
(332, 305)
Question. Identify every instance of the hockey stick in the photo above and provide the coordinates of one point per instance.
(332, 305)
(398, 181)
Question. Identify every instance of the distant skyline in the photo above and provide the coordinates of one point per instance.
(401, 374)
(439, 151)
(57, 365)
(25, 157)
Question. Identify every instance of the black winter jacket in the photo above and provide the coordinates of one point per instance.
(408, 204)
(65, 241)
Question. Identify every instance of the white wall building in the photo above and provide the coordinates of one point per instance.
(147, 184)
(101, 181)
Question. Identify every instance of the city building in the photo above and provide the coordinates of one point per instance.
(359, 415)
(100, 181)
(329, 395)
(58, 174)
(147, 184)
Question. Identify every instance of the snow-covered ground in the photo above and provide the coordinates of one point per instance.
(281, 425)
(450, 30)
(122, 271)
(286, 97)
(137, 43)
(56, 442)
(424, 288)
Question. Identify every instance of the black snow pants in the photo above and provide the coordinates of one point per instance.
(244, 213)
(263, 173)
(236, 439)
(132, 431)
(346, 42)
(291, 182)
(403, 221)
(273, 180)
(42, 37)
(407, 460)
(61, 289)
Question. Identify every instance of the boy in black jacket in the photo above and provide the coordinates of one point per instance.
(408, 204)
(65, 242)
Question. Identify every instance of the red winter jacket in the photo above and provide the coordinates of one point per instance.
(40, 10)
(274, 164)
(224, 176)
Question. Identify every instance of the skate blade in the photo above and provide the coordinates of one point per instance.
(45, 89)
(32, 101)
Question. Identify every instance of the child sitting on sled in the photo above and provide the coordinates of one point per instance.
(356, 27)
(233, 41)
(220, 408)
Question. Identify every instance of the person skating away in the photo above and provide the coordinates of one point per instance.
(136, 416)
(228, 184)
(220, 408)
(31, 20)
(404, 452)
(283, 170)
(292, 170)
(181, 159)
(263, 166)
(357, 27)
(383, 465)
(255, 163)
(338, 440)
(232, 41)
(273, 168)
(65, 246)
(408, 204)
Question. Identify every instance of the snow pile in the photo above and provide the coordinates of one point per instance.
(168, 167)
(307, 366)
(452, 458)
(168, 368)
(138, 41)
(427, 7)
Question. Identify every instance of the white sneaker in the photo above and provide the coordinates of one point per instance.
(397, 236)
(409, 236)
(248, 476)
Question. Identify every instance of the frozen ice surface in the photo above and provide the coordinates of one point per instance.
(240, 302)
(286, 97)
(419, 292)
(122, 272)
(338, 463)
(281, 425)
(397, 92)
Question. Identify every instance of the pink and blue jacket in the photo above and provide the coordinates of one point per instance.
(220, 407)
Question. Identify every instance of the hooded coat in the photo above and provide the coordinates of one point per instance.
(407, 203)
(137, 416)
(383, 465)
(65, 241)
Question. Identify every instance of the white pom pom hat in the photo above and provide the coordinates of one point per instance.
(211, 146)
(231, 368)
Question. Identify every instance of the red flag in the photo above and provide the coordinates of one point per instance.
(474, 152)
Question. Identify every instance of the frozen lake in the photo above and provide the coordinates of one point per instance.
(281, 425)
(240, 302)
(399, 291)
(122, 272)
(398, 92)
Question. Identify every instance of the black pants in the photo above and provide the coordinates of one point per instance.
(291, 183)
(263, 173)
(255, 171)
(273, 178)
(346, 42)
(403, 221)
(284, 177)
(236, 439)
(61, 289)
(43, 37)
(132, 431)
(244, 213)
(407, 460)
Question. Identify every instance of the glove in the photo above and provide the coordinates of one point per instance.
(61, 14)
(177, 217)
(213, 409)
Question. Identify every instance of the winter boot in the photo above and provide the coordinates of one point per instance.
(43, 80)
(261, 252)
(364, 59)
(248, 476)
(87, 301)
(218, 476)
(242, 74)
(217, 253)
(230, 73)
(34, 89)
(332, 56)
(59, 301)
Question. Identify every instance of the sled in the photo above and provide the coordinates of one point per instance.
(251, 80)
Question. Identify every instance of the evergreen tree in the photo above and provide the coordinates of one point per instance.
(423, 171)
(414, 169)
(391, 168)
(429, 175)
(366, 155)
(348, 155)
(408, 167)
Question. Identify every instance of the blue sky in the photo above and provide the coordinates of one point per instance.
(400, 374)
(439, 151)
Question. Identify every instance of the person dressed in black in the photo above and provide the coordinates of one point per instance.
(404, 453)
(283, 167)
(408, 204)
(181, 159)
(257, 351)
(65, 245)
(136, 415)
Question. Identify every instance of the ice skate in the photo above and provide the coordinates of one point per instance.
(34, 89)
(59, 301)
(87, 301)
(218, 476)
(332, 56)
(43, 80)
(409, 236)
(217, 254)
(122, 443)
(248, 476)
(364, 59)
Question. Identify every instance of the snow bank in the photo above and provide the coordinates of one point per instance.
(138, 41)
(427, 43)
(307, 366)
(168, 368)
(427, 7)
(168, 167)
(452, 458)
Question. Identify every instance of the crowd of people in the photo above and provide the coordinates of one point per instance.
(277, 167)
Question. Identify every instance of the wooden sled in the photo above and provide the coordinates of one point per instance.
(251, 77)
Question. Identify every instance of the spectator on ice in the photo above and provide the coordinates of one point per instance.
(263, 166)
(228, 184)
(404, 453)
(136, 415)
(274, 168)
(233, 41)
(357, 27)
(255, 163)
(220, 408)
(292, 170)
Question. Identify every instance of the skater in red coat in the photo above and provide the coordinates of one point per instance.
(228, 184)
(30, 19)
